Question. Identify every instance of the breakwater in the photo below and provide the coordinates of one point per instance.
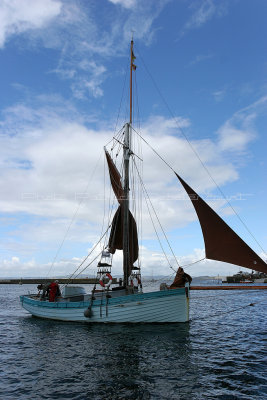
(92, 281)
(62, 281)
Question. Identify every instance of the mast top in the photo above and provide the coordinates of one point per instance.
(132, 68)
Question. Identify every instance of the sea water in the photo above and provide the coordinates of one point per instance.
(219, 354)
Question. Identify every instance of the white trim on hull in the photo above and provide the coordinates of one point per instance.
(154, 307)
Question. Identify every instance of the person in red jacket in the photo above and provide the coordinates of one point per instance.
(53, 291)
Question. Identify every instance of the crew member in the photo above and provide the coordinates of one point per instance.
(54, 291)
(44, 288)
(180, 279)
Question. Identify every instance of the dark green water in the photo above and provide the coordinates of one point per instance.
(220, 354)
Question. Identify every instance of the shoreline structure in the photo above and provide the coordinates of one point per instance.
(91, 281)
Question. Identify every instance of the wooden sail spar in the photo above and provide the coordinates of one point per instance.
(221, 242)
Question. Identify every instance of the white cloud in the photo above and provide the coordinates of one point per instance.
(85, 53)
(125, 3)
(234, 139)
(19, 16)
(16, 268)
(72, 28)
(201, 57)
(153, 264)
(47, 155)
(158, 123)
(204, 11)
(46, 164)
(219, 95)
(239, 130)
(93, 85)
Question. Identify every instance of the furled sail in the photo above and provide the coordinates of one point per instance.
(116, 234)
(221, 242)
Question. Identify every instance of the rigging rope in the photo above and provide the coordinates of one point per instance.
(88, 265)
(164, 278)
(168, 165)
(145, 191)
(197, 155)
(119, 111)
(195, 262)
(88, 255)
(225, 312)
(74, 216)
(104, 213)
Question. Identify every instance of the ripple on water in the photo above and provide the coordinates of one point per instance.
(220, 354)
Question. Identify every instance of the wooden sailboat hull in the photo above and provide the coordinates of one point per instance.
(167, 306)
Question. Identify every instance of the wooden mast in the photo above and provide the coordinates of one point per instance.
(126, 157)
(131, 83)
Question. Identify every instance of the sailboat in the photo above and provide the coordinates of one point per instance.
(125, 302)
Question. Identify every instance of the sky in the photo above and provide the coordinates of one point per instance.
(200, 101)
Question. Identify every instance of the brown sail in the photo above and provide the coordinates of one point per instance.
(116, 234)
(221, 242)
(115, 178)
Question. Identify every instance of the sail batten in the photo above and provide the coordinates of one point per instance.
(221, 242)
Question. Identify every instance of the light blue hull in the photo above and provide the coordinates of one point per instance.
(160, 307)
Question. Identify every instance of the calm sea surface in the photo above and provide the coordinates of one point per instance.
(219, 354)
